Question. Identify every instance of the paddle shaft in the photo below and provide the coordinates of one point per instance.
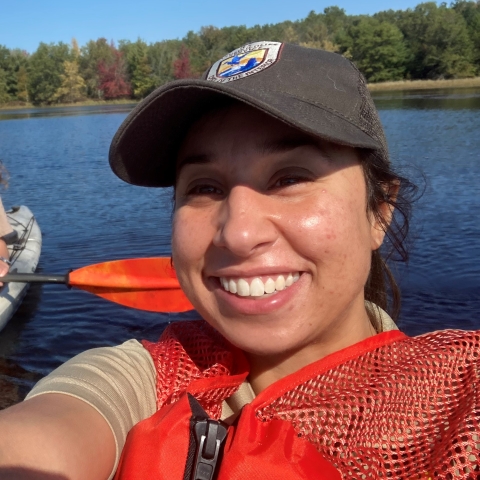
(143, 283)
(34, 278)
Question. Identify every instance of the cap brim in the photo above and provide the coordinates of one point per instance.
(143, 151)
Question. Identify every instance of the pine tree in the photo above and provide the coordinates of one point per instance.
(138, 67)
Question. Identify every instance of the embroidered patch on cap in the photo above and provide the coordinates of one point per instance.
(244, 61)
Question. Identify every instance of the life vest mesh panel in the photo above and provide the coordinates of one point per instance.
(407, 410)
(189, 351)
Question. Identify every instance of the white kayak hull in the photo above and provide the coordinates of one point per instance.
(24, 255)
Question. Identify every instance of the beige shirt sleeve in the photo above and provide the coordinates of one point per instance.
(119, 382)
(5, 227)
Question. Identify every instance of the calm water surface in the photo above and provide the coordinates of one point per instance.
(57, 160)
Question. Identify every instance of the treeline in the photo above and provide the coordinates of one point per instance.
(429, 42)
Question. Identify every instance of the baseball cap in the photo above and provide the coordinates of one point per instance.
(320, 93)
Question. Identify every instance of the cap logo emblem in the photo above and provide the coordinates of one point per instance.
(244, 61)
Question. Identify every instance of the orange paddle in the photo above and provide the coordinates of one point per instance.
(143, 283)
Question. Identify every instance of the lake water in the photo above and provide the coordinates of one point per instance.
(57, 159)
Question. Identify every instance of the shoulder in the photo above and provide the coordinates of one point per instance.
(459, 343)
(119, 382)
(440, 353)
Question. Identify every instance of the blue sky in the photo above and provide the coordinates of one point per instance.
(26, 23)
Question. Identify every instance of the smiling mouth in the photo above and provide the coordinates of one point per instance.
(257, 286)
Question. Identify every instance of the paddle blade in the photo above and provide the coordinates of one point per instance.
(142, 283)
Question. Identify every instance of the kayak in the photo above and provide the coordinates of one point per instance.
(24, 245)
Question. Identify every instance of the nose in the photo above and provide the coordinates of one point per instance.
(245, 226)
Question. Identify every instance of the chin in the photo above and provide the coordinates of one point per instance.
(261, 342)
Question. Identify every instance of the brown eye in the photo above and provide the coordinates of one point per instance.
(289, 180)
(204, 190)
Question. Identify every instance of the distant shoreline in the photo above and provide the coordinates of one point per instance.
(86, 103)
(373, 87)
(424, 84)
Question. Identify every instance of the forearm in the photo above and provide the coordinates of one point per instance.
(55, 437)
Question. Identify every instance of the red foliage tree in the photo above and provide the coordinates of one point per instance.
(113, 79)
(181, 66)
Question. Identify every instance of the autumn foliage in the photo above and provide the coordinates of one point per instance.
(112, 77)
(181, 66)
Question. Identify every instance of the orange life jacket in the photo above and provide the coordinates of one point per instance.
(390, 406)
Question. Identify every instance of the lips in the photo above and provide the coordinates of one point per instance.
(258, 286)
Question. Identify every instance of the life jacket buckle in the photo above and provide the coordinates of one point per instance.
(210, 435)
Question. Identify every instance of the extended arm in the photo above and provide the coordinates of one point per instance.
(55, 437)
(75, 420)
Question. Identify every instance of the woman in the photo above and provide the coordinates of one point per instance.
(283, 196)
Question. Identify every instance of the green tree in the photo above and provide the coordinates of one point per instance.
(378, 49)
(4, 96)
(138, 67)
(46, 68)
(204, 48)
(22, 84)
(91, 55)
(235, 36)
(335, 19)
(439, 41)
(161, 56)
(470, 11)
(314, 33)
(10, 63)
(7, 79)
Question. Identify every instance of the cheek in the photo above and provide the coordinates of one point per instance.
(191, 237)
(184, 248)
(334, 229)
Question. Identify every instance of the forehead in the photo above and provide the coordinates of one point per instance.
(238, 126)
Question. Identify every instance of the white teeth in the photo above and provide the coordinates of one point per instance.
(280, 283)
(243, 289)
(269, 286)
(257, 288)
(232, 286)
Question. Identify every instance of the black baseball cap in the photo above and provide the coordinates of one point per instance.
(318, 92)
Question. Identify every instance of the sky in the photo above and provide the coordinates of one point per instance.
(26, 23)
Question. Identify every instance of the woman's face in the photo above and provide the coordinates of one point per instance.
(271, 237)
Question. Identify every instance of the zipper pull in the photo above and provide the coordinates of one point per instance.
(210, 435)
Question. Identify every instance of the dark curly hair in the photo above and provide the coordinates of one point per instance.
(384, 185)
